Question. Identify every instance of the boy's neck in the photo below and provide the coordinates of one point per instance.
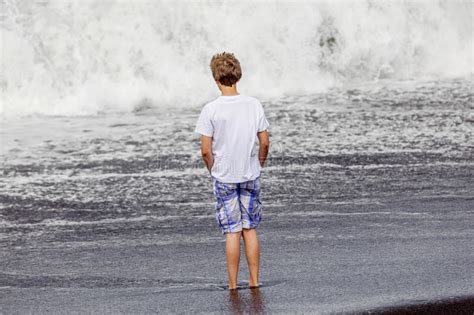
(229, 90)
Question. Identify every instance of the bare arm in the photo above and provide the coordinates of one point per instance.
(264, 146)
(206, 151)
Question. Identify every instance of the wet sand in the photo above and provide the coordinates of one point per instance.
(327, 262)
(367, 205)
(457, 305)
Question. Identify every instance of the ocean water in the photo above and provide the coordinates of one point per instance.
(92, 57)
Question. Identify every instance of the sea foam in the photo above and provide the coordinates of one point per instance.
(96, 57)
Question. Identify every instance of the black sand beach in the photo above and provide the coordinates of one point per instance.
(456, 305)
(367, 208)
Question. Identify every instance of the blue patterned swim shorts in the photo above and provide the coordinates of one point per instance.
(238, 205)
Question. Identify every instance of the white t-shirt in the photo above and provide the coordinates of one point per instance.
(233, 123)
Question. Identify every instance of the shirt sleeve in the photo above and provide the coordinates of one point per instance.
(204, 125)
(262, 120)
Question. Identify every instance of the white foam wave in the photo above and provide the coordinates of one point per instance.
(92, 57)
(58, 222)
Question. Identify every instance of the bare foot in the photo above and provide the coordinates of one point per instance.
(253, 285)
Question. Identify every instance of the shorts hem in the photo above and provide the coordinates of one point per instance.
(249, 228)
(239, 229)
(227, 232)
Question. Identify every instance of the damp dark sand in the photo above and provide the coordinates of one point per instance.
(367, 205)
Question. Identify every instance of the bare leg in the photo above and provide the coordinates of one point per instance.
(252, 252)
(233, 257)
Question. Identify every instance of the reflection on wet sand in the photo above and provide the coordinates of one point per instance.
(246, 301)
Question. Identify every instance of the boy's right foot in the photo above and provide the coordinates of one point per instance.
(251, 285)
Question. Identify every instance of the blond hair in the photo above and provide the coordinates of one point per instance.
(226, 68)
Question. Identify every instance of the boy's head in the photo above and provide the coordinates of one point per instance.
(225, 68)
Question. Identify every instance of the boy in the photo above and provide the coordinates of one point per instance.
(234, 147)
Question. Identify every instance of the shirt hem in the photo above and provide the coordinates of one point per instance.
(234, 180)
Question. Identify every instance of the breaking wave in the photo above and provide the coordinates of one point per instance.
(94, 57)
